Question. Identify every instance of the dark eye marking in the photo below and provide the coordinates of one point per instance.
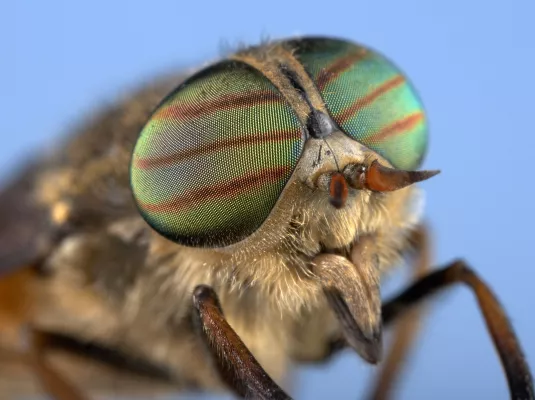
(318, 124)
(294, 81)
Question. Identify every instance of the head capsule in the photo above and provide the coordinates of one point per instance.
(212, 162)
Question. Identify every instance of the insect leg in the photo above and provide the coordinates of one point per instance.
(236, 365)
(53, 383)
(407, 327)
(503, 336)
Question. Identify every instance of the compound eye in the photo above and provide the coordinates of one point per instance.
(368, 97)
(214, 157)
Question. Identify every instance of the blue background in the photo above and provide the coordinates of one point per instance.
(473, 63)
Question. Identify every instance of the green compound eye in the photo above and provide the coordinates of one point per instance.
(368, 97)
(213, 159)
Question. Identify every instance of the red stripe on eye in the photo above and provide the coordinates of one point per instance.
(182, 111)
(205, 148)
(225, 190)
(362, 102)
(396, 127)
(331, 72)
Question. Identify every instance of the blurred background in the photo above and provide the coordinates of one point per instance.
(473, 64)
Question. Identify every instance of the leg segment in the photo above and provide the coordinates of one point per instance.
(505, 341)
(353, 294)
(407, 327)
(53, 383)
(236, 365)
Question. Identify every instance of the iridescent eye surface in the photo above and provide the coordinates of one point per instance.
(368, 97)
(213, 159)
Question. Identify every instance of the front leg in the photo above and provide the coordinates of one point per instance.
(353, 293)
(406, 329)
(235, 363)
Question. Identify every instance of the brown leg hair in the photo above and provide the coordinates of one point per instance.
(505, 341)
(407, 327)
(235, 363)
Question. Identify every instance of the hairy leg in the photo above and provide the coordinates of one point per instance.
(407, 327)
(352, 291)
(516, 369)
(235, 363)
